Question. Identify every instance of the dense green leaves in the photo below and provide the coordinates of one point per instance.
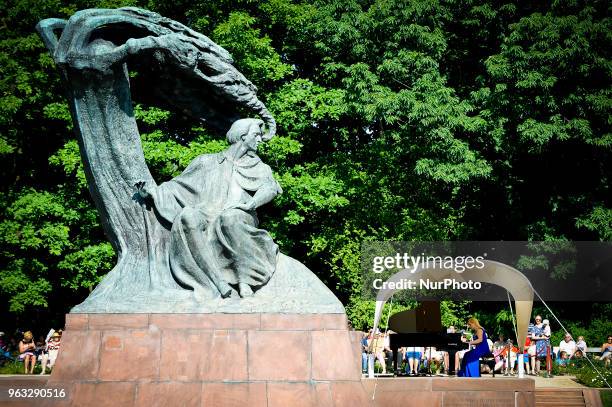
(418, 120)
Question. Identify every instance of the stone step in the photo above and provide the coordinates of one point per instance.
(559, 398)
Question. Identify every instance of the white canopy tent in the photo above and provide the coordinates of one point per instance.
(493, 272)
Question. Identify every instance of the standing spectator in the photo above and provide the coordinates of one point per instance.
(581, 345)
(27, 350)
(606, 351)
(567, 345)
(52, 350)
(526, 354)
(547, 331)
(547, 335)
(540, 339)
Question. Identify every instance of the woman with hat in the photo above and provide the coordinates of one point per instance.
(27, 349)
(53, 345)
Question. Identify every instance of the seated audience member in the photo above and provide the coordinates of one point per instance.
(606, 351)
(13, 345)
(579, 354)
(27, 352)
(563, 358)
(52, 350)
(513, 356)
(438, 359)
(413, 356)
(4, 349)
(445, 355)
(364, 352)
(40, 348)
(433, 359)
(387, 351)
(500, 343)
(378, 350)
(510, 354)
(567, 345)
(485, 368)
(460, 353)
(581, 345)
(499, 352)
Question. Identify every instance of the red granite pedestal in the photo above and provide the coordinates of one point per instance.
(253, 360)
(210, 360)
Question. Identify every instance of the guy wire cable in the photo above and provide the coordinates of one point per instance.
(566, 331)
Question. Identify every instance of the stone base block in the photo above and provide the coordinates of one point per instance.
(231, 360)
(209, 360)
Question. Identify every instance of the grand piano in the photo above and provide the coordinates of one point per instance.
(422, 326)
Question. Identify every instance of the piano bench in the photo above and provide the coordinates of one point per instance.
(488, 361)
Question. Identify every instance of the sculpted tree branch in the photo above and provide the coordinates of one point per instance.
(194, 76)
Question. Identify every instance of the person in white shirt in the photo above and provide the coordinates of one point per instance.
(53, 345)
(490, 343)
(567, 345)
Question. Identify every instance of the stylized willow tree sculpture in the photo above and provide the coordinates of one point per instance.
(192, 74)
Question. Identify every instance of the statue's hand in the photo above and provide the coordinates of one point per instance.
(246, 206)
(142, 190)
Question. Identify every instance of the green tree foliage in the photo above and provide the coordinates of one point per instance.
(403, 120)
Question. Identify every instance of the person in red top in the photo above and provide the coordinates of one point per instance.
(526, 354)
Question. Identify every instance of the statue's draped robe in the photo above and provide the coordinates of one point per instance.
(228, 240)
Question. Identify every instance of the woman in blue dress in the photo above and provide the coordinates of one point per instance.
(540, 335)
(470, 366)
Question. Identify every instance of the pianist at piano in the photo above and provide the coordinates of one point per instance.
(470, 366)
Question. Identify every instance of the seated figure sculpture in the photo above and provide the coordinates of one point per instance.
(193, 243)
(211, 206)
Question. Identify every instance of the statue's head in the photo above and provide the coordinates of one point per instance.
(249, 131)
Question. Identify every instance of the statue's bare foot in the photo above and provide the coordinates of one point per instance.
(245, 290)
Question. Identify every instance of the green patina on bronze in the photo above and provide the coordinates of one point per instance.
(190, 244)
